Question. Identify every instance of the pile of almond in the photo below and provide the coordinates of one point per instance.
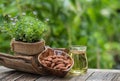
(57, 61)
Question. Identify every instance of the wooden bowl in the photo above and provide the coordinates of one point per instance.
(53, 71)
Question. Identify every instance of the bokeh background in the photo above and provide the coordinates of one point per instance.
(94, 23)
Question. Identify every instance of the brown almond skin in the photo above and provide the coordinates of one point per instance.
(66, 61)
(48, 63)
(46, 58)
(59, 65)
(54, 56)
(64, 57)
(62, 68)
(59, 62)
(49, 58)
(68, 66)
(52, 65)
(59, 56)
(55, 60)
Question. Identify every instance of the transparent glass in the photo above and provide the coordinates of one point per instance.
(78, 53)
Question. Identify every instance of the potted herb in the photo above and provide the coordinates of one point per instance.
(27, 35)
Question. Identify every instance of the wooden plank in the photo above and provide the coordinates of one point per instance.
(28, 77)
(4, 69)
(105, 70)
(92, 75)
(101, 76)
(97, 76)
(5, 74)
(109, 77)
(46, 78)
(71, 77)
(85, 76)
(117, 77)
(12, 76)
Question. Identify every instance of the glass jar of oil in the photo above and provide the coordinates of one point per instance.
(78, 53)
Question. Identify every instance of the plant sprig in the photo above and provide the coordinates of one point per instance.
(26, 29)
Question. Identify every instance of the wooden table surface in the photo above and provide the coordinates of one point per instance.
(92, 75)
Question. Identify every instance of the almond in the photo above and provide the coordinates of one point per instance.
(59, 65)
(63, 68)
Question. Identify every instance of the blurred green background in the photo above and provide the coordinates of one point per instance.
(94, 23)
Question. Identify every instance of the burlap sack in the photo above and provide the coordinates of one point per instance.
(27, 48)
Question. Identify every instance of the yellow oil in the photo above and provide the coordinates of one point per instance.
(80, 62)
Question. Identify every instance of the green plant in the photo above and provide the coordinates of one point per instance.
(27, 29)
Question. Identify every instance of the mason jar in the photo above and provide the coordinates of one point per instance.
(78, 53)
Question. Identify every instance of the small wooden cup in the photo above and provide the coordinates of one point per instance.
(56, 72)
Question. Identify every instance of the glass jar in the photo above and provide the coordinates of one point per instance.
(78, 53)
